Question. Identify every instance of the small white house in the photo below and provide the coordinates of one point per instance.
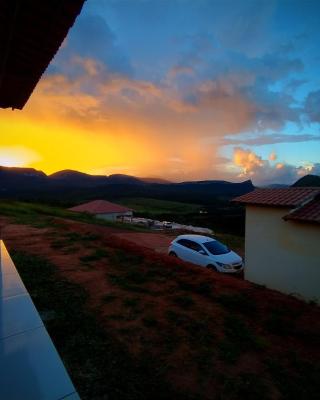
(282, 241)
(104, 209)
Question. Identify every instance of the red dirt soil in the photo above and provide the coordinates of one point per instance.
(159, 299)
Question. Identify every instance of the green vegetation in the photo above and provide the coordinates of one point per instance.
(100, 367)
(238, 302)
(234, 242)
(302, 383)
(96, 255)
(247, 386)
(42, 216)
(155, 207)
(183, 301)
(154, 321)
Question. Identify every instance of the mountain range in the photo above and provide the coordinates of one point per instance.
(68, 185)
(308, 180)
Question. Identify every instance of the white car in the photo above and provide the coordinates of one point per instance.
(207, 252)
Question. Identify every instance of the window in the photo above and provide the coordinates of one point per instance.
(216, 248)
(190, 245)
(184, 242)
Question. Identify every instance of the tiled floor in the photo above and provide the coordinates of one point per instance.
(30, 367)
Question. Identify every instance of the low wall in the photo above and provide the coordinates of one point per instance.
(30, 367)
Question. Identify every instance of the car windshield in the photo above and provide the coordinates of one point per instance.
(216, 248)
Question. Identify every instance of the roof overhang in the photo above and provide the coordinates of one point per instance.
(31, 32)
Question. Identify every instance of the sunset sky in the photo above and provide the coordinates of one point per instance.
(178, 89)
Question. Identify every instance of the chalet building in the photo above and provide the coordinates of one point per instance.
(104, 209)
(282, 240)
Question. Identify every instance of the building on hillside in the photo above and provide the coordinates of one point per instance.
(282, 242)
(104, 209)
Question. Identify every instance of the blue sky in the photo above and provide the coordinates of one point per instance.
(210, 89)
(267, 50)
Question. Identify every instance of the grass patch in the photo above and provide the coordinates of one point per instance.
(96, 255)
(124, 258)
(235, 328)
(155, 207)
(238, 302)
(232, 241)
(200, 331)
(125, 284)
(229, 351)
(109, 298)
(301, 384)
(42, 215)
(238, 338)
(279, 324)
(99, 365)
(247, 386)
(176, 319)
(183, 301)
(131, 302)
(59, 244)
(149, 321)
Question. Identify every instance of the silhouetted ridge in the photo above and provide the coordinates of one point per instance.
(68, 185)
(308, 180)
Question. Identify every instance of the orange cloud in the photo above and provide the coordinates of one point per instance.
(103, 122)
(247, 160)
(272, 156)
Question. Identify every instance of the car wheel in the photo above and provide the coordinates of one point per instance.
(213, 267)
(172, 254)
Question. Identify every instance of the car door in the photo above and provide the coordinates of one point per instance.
(189, 251)
(199, 255)
(183, 250)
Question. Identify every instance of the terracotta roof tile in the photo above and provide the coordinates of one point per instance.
(100, 207)
(309, 212)
(284, 197)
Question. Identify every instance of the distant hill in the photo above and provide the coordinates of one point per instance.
(124, 179)
(308, 180)
(76, 178)
(155, 180)
(19, 179)
(70, 186)
(277, 186)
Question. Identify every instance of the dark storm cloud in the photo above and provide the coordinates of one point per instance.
(272, 139)
(221, 74)
(92, 38)
(312, 106)
(201, 69)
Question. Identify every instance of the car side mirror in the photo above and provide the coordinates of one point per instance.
(203, 252)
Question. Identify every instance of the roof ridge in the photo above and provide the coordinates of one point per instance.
(289, 197)
(304, 203)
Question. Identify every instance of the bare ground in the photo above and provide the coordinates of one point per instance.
(184, 316)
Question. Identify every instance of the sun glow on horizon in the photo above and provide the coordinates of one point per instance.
(16, 156)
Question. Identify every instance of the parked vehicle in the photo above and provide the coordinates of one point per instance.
(207, 252)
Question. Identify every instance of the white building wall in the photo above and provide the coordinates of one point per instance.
(282, 255)
(114, 216)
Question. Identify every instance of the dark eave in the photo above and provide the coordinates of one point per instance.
(31, 32)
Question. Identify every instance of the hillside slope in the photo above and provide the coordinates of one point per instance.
(71, 186)
(308, 180)
(160, 328)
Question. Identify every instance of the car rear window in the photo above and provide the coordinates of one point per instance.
(216, 248)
